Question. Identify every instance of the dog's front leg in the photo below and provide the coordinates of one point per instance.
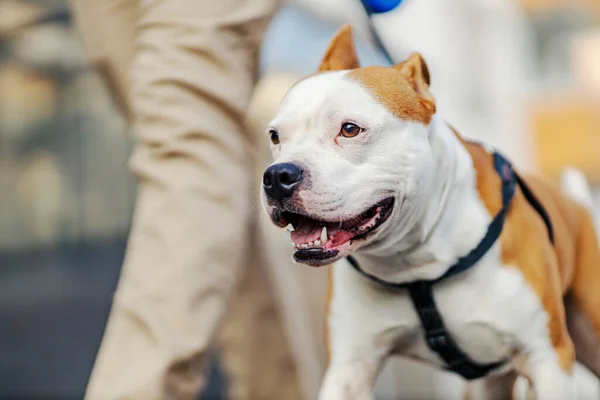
(364, 324)
(352, 378)
(357, 345)
(358, 348)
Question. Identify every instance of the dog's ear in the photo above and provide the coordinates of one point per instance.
(341, 53)
(415, 70)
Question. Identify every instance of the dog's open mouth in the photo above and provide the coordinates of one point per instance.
(318, 242)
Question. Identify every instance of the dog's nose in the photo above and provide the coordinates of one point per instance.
(280, 180)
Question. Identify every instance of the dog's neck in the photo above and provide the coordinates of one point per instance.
(427, 235)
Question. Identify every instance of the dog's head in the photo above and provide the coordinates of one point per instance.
(351, 148)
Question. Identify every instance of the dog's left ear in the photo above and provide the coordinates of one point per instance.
(341, 53)
(416, 73)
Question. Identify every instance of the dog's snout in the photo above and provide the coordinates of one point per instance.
(280, 180)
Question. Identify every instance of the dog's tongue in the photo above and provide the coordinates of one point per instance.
(307, 231)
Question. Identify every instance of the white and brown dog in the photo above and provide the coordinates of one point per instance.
(456, 260)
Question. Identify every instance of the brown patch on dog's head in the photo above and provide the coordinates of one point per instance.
(340, 54)
(403, 88)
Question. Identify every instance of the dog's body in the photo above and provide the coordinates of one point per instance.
(365, 166)
(508, 306)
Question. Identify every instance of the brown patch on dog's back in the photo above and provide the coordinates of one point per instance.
(391, 87)
(525, 243)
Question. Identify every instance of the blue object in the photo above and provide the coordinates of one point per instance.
(380, 6)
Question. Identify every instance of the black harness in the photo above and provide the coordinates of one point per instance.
(421, 292)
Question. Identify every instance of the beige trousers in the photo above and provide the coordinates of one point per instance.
(184, 71)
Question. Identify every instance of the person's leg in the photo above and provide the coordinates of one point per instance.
(192, 76)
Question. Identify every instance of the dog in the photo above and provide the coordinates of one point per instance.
(439, 249)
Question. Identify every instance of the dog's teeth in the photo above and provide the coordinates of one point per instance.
(304, 246)
(317, 242)
(310, 244)
(324, 235)
(290, 227)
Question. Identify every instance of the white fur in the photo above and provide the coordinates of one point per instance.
(490, 310)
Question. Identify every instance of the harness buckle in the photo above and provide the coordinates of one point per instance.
(436, 340)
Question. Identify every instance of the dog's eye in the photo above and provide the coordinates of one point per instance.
(350, 130)
(274, 136)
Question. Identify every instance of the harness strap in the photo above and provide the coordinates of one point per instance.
(535, 203)
(439, 340)
(421, 292)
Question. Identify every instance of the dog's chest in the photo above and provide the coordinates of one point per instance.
(487, 311)
(484, 315)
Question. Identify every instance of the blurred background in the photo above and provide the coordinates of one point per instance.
(523, 75)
